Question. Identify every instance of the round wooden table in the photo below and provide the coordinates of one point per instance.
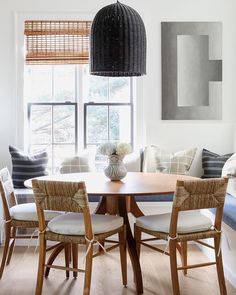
(118, 197)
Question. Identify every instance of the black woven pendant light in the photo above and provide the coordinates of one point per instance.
(118, 42)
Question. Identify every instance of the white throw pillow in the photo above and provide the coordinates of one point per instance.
(229, 169)
(159, 160)
(80, 163)
(133, 162)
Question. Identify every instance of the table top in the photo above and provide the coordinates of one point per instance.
(135, 183)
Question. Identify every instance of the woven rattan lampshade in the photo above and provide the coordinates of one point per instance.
(118, 42)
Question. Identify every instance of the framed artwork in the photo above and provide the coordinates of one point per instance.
(191, 70)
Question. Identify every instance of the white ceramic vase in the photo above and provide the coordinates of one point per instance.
(116, 169)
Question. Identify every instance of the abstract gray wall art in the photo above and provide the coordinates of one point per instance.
(191, 70)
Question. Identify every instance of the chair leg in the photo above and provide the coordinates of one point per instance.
(219, 267)
(75, 258)
(67, 258)
(88, 271)
(41, 264)
(52, 257)
(173, 267)
(184, 255)
(123, 255)
(100, 248)
(11, 245)
(6, 247)
(137, 237)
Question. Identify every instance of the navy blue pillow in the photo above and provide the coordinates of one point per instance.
(27, 166)
(213, 164)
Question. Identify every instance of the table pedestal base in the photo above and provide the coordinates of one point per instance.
(122, 206)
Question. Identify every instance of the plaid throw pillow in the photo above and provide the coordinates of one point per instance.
(75, 164)
(159, 160)
(27, 166)
(213, 164)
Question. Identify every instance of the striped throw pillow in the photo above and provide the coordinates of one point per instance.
(27, 166)
(213, 163)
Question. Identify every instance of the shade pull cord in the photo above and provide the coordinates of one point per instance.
(168, 242)
(91, 242)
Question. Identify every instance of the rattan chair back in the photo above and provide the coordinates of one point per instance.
(199, 194)
(7, 192)
(61, 196)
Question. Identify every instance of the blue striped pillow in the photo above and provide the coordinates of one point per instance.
(213, 164)
(27, 166)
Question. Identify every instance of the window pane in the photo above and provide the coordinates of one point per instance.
(98, 89)
(64, 124)
(60, 152)
(95, 88)
(38, 83)
(64, 83)
(119, 89)
(97, 124)
(120, 123)
(40, 124)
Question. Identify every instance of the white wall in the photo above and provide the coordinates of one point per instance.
(215, 135)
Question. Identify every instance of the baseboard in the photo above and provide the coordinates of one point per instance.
(230, 276)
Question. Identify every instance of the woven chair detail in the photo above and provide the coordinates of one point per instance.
(72, 199)
(189, 195)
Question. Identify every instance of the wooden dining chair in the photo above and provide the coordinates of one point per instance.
(75, 227)
(187, 223)
(15, 216)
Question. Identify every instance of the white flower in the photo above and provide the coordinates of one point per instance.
(107, 149)
(123, 149)
(110, 148)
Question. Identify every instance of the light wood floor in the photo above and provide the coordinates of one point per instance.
(20, 276)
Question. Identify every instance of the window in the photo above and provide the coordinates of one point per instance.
(68, 109)
(57, 96)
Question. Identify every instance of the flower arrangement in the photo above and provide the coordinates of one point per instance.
(109, 148)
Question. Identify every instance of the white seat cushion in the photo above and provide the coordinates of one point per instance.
(73, 224)
(188, 222)
(28, 212)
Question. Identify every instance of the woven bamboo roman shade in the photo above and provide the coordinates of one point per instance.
(57, 42)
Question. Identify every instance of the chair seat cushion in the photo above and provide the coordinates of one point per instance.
(28, 212)
(73, 224)
(188, 222)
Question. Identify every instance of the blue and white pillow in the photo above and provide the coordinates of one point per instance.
(213, 163)
(25, 166)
